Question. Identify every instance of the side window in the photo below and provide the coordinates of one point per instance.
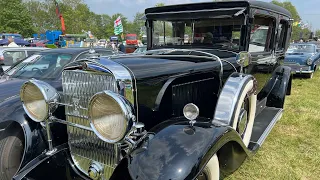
(11, 57)
(282, 35)
(262, 33)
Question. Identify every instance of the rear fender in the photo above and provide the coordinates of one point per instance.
(177, 151)
(277, 87)
(13, 118)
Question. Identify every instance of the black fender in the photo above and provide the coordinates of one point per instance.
(175, 150)
(278, 86)
(13, 116)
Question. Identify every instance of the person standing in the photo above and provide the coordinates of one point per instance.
(121, 47)
(11, 42)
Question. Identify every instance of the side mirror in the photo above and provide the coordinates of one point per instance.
(243, 59)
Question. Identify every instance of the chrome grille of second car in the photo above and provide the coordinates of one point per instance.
(78, 87)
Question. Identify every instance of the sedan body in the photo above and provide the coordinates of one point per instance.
(303, 58)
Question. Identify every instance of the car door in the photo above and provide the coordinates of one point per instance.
(260, 48)
(12, 56)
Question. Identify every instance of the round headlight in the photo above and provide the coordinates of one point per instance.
(309, 61)
(191, 111)
(110, 116)
(36, 97)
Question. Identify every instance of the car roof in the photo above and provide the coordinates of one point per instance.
(18, 48)
(303, 44)
(72, 50)
(217, 5)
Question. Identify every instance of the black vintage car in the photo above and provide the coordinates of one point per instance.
(187, 109)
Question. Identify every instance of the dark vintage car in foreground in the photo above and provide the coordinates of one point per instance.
(195, 109)
(303, 58)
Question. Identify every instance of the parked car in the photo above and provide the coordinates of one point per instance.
(140, 49)
(46, 65)
(193, 111)
(12, 55)
(303, 58)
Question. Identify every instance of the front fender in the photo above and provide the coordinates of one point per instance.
(177, 151)
(11, 112)
(277, 87)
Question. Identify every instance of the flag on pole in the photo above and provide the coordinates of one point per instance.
(118, 28)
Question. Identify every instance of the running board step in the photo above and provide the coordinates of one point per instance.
(263, 124)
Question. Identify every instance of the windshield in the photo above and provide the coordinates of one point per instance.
(40, 66)
(301, 48)
(215, 33)
(131, 37)
(140, 50)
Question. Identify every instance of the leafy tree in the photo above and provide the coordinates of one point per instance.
(295, 15)
(15, 18)
(159, 4)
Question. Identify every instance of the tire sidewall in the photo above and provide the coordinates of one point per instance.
(251, 114)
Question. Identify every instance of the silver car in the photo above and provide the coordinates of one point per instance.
(12, 55)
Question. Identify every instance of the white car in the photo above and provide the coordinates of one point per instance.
(12, 55)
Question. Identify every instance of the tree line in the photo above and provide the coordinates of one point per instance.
(36, 16)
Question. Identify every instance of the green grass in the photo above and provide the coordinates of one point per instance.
(292, 149)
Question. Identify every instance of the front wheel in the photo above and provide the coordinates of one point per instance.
(211, 171)
(11, 153)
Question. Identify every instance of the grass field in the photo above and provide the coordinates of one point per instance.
(292, 149)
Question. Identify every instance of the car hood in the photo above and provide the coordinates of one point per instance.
(11, 87)
(300, 58)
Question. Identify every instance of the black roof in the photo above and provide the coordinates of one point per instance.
(69, 50)
(217, 5)
(66, 50)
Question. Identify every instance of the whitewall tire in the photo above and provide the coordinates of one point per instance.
(211, 171)
(250, 112)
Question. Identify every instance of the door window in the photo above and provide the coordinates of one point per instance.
(282, 34)
(12, 57)
(261, 35)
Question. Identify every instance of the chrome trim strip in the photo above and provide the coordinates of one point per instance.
(269, 128)
(209, 56)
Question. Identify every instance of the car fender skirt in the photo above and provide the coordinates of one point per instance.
(178, 151)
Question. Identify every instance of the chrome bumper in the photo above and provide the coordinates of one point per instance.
(300, 69)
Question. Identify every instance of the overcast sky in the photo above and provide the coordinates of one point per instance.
(308, 9)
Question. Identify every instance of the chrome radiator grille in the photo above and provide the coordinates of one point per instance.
(85, 146)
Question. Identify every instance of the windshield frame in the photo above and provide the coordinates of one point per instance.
(150, 30)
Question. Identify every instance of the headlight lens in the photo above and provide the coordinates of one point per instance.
(309, 61)
(36, 97)
(110, 116)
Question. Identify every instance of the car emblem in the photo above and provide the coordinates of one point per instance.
(76, 105)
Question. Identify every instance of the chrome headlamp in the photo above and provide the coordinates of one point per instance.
(38, 99)
(309, 61)
(111, 116)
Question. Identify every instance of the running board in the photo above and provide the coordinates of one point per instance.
(263, 124)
